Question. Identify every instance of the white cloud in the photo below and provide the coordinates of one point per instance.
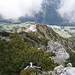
(67, 9)
(13, 9)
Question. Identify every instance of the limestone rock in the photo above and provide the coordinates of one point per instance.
(60, 51)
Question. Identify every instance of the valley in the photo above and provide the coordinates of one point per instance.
(65, 31)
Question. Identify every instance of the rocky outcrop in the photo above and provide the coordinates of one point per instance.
(60, 52)
(4, 38)
(69, 70)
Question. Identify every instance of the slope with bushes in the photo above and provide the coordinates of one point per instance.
(23, 48)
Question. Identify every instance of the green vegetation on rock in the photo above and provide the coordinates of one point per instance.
(31, 71)
(16, 54)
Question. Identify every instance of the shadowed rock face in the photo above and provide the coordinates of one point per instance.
(60, 52)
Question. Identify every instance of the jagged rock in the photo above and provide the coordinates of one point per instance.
(32, 66)
(60, 52)
(60, 70)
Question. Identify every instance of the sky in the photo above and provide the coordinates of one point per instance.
(66, 9)
(14, 9)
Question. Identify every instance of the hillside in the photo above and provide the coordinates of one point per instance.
(42, 46)
(65, 31)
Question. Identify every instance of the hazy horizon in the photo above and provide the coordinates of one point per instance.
(14, 9)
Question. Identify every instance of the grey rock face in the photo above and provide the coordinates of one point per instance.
(4, 38)
(69, 70)
(59, 69)
(60, 52)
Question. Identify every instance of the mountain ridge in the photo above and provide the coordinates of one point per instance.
(41, 46)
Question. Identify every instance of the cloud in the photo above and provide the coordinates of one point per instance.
(14, 9)
(66, 9)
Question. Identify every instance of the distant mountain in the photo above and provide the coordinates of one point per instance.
(49, 14)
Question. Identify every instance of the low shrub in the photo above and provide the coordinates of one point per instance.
(30, 71)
